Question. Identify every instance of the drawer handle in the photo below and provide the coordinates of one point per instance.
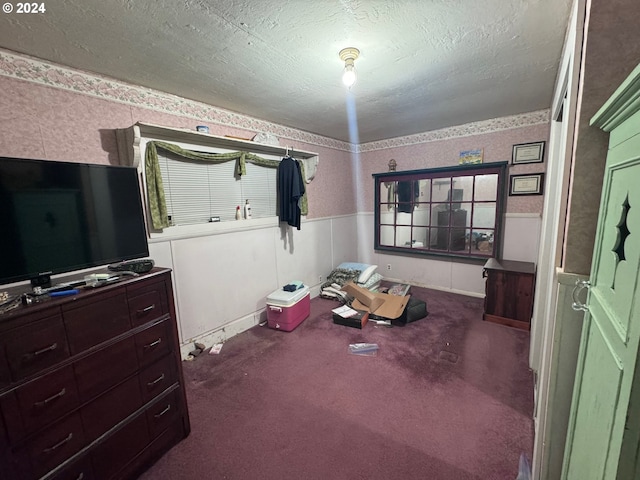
(166, 409)
(153, 344)
(146, 310)
(50, 348)
(46, 401)
(67, 439)
(157, 380)
(81, 476)
(577, 305)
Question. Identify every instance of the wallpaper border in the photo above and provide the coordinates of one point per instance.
(65, 78)
(467, 130)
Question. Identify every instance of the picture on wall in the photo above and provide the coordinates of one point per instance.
(471, 156)
(528, 153)
(526, 184)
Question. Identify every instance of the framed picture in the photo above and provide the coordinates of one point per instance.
(528, 153)
(526, 184)
(471, 156)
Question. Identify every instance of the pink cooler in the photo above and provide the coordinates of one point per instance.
(287, 310)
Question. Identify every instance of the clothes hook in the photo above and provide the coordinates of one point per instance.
(286, 150)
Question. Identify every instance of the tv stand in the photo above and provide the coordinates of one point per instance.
(91, 384)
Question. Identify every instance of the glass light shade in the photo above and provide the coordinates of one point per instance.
(349, 75)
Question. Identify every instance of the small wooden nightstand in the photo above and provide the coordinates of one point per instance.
(509, 292)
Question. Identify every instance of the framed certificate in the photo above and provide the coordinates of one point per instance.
(528, 153)
(526, 184)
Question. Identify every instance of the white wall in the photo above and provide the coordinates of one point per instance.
(555, 327)
(222, 280)
(521, 238)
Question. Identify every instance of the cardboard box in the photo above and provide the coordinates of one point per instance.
(349, 317)
(381, 305)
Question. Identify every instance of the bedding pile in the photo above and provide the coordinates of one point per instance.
(362, 274)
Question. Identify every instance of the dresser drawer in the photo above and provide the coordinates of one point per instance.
(111, 408)
(156, 378)
(5, 372)
(92, 322)
(120, 448)
(121, 360)
(39, 403)
(147, 303)
(78, 470)
(163, 413)
(36, 346)
(54, 445)
(158, 446)
(90, 384)
(153, 343)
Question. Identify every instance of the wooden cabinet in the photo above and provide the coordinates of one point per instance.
(509, 292)
(91, 385)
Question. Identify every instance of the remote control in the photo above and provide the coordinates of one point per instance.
(136, 266)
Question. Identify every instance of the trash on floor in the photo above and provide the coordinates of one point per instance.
(382, 323)
(364, 349)
(524, 469)
(215, 349)
(198, 349)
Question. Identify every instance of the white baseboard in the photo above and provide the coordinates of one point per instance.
(437, 287)
(240, 325)
(222, 334)
(231, 329)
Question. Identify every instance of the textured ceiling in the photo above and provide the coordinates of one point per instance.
(424, 64)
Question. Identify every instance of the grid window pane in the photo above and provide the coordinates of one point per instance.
(452, 211)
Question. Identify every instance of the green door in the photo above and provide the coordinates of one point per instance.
(602, 437)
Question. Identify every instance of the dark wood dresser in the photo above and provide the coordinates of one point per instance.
(91, 384)
(509, 292)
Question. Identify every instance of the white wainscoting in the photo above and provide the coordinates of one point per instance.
(221, 281)
(521, 239)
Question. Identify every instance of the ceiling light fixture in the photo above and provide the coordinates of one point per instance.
(348, 56)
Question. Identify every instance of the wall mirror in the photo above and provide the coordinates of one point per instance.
(451, 211)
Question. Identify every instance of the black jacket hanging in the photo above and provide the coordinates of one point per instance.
(290, 189)
(407, 193)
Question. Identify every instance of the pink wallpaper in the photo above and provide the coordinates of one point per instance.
(55, 124)
(443, 153)
(57, 113)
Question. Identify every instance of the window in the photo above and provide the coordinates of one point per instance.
(202, 176)
(196, 191)
(453, 211)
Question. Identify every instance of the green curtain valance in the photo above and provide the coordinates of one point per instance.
(155, 188)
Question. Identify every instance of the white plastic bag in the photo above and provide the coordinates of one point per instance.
(365, 349)
(524, 469)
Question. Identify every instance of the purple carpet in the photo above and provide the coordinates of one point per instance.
(448, 397)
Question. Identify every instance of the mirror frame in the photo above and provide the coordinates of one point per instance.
(491, 244)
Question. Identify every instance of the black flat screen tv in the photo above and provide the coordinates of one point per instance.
(58, 217)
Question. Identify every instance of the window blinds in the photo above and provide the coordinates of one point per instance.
(196, 191)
